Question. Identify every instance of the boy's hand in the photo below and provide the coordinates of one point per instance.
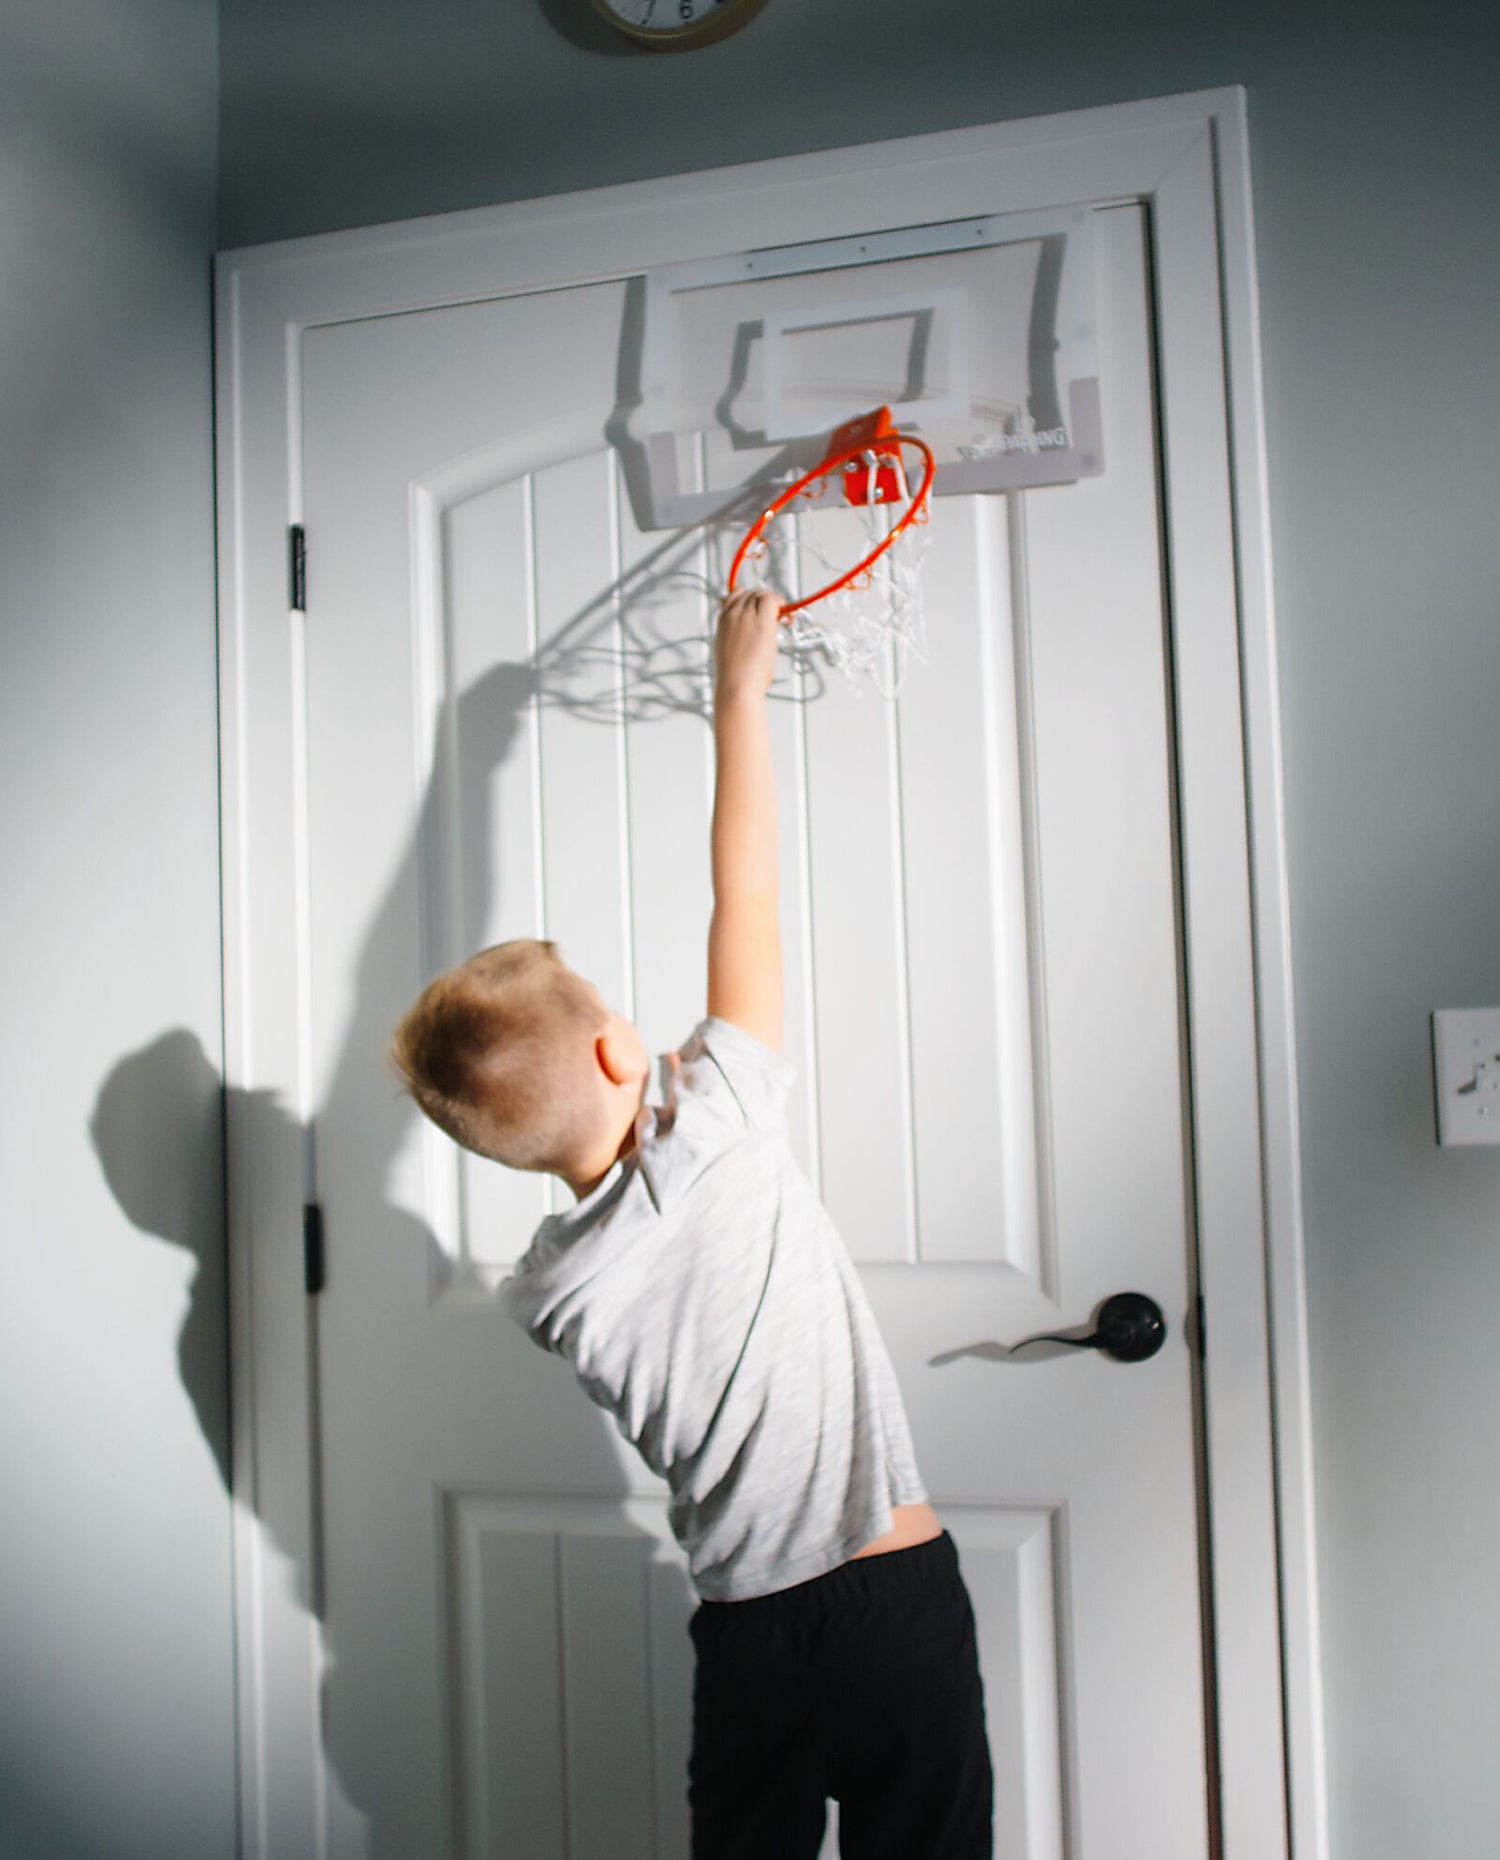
(745, 644)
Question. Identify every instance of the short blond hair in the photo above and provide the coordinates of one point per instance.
(499, 1053)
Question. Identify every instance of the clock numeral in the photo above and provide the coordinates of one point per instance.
(686, 9)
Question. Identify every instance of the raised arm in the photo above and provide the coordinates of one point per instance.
(744, 936)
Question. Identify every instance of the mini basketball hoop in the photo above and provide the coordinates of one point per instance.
(869, 615)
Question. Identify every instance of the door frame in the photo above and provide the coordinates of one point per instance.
(1187, 160)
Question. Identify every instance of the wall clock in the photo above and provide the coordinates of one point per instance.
(677, 25)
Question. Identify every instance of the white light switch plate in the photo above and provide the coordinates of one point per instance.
(1466, 1056)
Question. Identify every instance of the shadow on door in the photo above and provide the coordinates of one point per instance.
(158, 1126)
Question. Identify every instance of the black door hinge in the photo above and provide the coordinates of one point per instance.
(314, 1266)
(299, 568)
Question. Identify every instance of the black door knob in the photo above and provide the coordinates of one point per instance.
(1130, 1327)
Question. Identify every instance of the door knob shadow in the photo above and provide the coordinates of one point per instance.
(1027, 1351)
(1129, 1327)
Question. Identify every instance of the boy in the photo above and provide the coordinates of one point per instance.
(702, 1296)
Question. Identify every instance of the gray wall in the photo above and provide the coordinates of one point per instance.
(116, 1691)
(1376, 169)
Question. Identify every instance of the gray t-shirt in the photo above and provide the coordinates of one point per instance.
(705, 1299)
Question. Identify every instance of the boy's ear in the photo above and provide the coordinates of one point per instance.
(619, 1058)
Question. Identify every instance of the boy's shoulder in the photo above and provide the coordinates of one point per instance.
(720, 1088)
(735, 1073)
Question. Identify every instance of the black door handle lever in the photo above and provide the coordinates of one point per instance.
(1130, 1327)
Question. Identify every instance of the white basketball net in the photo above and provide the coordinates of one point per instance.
(870, 629)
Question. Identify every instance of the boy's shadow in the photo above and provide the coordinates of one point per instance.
(160, 1114)
(157, 1128)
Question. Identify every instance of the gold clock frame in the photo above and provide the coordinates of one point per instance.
(729, 16)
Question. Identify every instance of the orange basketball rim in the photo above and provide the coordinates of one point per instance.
(867, 452)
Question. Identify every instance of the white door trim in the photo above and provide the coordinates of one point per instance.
(1187, 158)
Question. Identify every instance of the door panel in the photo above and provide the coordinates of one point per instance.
(589, 1599)
(507, 736)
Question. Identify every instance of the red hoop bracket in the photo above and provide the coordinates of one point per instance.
(869, 445)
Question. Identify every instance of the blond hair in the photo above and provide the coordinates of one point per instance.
(500, 1054)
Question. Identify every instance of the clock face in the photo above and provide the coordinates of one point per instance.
(676, 23)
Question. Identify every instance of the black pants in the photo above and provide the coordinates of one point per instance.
(862, 1685)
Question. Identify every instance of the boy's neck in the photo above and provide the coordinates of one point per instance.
(591, 1170)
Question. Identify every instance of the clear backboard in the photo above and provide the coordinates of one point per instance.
(979, 334)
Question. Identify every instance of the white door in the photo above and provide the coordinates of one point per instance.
(505, 738)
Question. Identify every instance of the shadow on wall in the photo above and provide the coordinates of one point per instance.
(157, 1128)
(164, 1087)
